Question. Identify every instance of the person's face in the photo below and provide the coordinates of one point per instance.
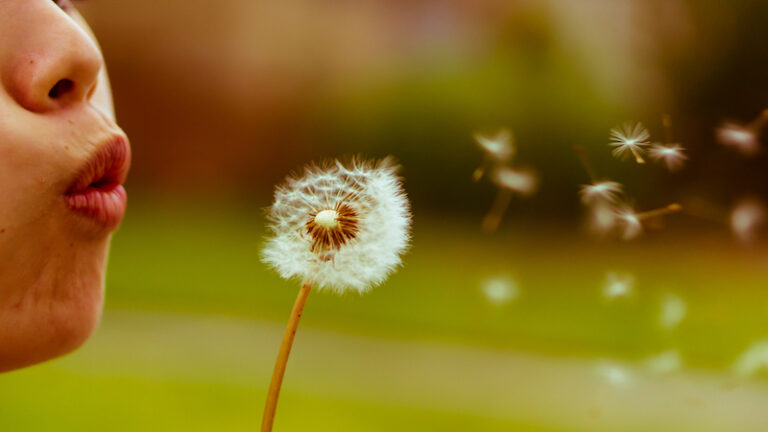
(62, 163)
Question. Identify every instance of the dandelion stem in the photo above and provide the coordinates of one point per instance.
(496, 213)
(282, 357)
(672, 208)
(582, 154)
(639, 159)
(667, 122)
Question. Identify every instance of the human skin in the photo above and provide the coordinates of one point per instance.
(52, 259)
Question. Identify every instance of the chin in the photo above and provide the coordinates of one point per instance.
(54, 311)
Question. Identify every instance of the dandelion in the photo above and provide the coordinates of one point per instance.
(618, 285)
(671, 154)
(500, 290)
(746, 218)
(602, 191)
(753, 360)
(339, 227)
(615, 374)
(630, 139)
(673, 311)
(631, 223)
(602, 218)
(740, 137)
(509, 182)
(497, 149)
(664, 363)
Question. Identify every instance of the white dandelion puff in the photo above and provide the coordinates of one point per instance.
(741, 138)
(342, 226)
(753, 360)
(628, 222)
(522, 182)
(339, 227)
(499, 148)
(601, 191)
(746, 219)
(664, 363)
(673, 311)
(601, 218)
(615, 374)
(630, 139)
(618, 285)
(500, 290)
(671, 154)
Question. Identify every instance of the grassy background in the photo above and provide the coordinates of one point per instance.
(193, 322)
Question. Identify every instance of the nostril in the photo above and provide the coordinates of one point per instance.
(61, 88)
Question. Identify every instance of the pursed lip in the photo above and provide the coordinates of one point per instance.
(97, 190)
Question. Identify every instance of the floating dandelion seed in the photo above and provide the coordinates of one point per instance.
(630, 139)
(753, 360)
(740, 137)
(339, 227)
(664, 363)
(671, 154)
(509, 181)
(673, 311)
(519, 181)
(602, 191)
(615, 374)
(618, 285)
(630, 222)
(746, 219)
(500, 290)
(602, 218)
(497, 149)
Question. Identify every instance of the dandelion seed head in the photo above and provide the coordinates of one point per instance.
(342, 225)
(629, 140)
(673, 311)
(605, 191)
(747, 217)
(499, 148)
(518, 181)
(618, 285)
(500, 290)
(741, 138)
(671, 154)
(753, 360)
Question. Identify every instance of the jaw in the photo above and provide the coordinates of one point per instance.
(51, 294)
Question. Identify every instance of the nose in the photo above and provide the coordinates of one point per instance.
(56, 64)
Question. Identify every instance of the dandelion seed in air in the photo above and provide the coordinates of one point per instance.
(630, 139)
(746, 219)
(339, 227)
(601, 191)
(664, 363)
(618, 285)
(615, 374)
(673, 311)
(744, 138)
(753, 360)
(601, 218)
(671, 154)
(508, 181)
(500, 290)
(631, 222)
(497, 149)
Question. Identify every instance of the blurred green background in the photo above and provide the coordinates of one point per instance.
(222, 99)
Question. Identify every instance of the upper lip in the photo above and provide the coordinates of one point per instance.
(106, 168)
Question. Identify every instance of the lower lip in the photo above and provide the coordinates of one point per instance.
(103, 205)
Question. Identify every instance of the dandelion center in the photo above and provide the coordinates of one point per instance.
(332, 228)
